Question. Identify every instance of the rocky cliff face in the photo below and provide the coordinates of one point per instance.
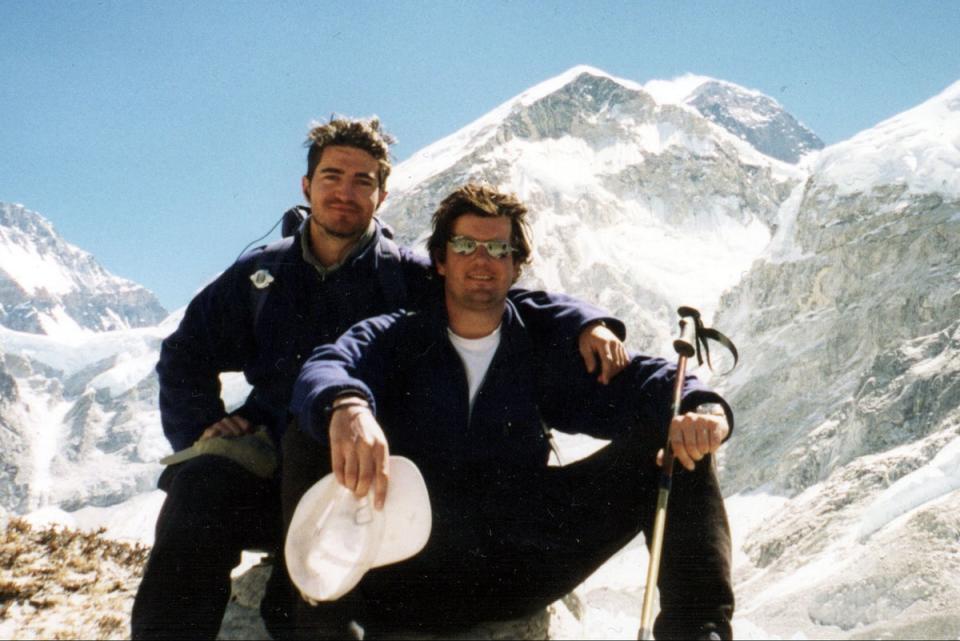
(849, 393)
(79, 418)
(756, 118)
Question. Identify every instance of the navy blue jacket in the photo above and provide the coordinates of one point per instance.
(406, 366)
(299, 311)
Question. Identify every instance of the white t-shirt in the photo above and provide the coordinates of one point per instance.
(476, 354)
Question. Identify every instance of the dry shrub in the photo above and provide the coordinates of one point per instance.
(109, 625)
(67, 583)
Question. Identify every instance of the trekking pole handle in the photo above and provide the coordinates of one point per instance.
(686, 345)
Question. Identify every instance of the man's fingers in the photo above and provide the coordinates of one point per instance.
(350, 467)
(693, 437)
(366, 471)
(211, 432)
(242, 424)
(588, 355)
(607, 363)
(678, 443)
(716, 440)
(364, 478)
(702, 441)
(337, 464)
(382, 480)
(227, 426)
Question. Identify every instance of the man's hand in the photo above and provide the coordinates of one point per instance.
(359, 454)
(597, 342)
(693, 436)
(234, 425)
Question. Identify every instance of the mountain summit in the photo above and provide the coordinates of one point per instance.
(48, 286)
(637, 205)
(756, 118)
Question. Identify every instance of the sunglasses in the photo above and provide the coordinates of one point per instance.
(495, 248)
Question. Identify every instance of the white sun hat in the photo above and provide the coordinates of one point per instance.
(334, 537)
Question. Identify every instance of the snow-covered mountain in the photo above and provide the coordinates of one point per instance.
(77, 397)
(48, 286)
(849, 397)
(747, 114)
(837, 277)
(637, 205)
(79, 417)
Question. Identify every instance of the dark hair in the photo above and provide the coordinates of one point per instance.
(480, 200)
(344, 132)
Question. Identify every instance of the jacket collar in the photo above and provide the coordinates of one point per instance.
(513, 331)
(363, 246)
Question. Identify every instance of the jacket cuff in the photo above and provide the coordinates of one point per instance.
(615, 325)
(316, 422)
(696, 398)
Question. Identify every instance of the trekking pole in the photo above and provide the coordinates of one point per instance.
(685, 346)
(693, 341)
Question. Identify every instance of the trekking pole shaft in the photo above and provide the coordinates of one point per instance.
(653, 568)
(660, 520)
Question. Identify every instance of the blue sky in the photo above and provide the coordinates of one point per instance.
(163, 136)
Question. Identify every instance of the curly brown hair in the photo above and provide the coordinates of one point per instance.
(480, 200)
(366, 135)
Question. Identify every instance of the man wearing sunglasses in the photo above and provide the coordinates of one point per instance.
(464, 388)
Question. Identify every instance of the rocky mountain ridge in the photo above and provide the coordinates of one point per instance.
(48, 286)
(849, 402)
(636, 205)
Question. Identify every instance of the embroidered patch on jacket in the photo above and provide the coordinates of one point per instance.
(261, 278)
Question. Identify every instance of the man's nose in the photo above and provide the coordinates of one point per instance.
(344, 190)
(482, 253)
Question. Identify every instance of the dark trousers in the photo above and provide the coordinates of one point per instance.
(214, 510)
(504, 547)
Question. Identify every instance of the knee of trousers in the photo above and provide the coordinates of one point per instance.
(214, 486)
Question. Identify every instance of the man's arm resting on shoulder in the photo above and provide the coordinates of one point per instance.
(558, 319)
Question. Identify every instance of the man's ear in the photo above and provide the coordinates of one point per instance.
(305, 187)
(383, 196)
(441, 268)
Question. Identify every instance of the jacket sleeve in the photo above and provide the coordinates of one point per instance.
(359, 361)
(558, 319)
(641, 397)
(214, 336)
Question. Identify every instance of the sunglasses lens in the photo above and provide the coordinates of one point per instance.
(498, 248)
(466, 246)
(463, 245)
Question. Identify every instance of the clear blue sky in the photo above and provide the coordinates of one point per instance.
(163, 136)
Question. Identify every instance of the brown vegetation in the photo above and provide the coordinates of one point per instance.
(62, 583)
